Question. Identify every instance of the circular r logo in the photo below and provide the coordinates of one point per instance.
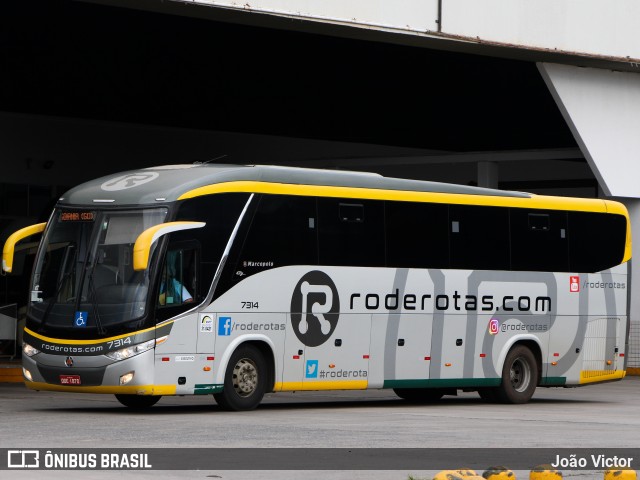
(315, 308)
(129, 181)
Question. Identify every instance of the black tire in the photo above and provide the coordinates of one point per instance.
(245, 380)
(519, 376)
(138, 401)
(419, 395)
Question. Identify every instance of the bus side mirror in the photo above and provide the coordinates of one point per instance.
(146, 239)
(10, 244)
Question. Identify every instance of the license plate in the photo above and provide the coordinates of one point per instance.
(70, 380)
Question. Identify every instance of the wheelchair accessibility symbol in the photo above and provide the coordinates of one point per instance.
(80, 319)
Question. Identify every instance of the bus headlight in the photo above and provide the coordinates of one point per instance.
(28, 350)
(132, 351)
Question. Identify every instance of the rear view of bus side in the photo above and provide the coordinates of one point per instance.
(241, 280)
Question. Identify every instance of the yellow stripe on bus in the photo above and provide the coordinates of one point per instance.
(321, 385)
(114, 389)
(535, 201)
(594, 376)
(90, 342)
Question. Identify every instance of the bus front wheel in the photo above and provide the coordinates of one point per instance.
(138, 401)
(245, 380)
(519, 376)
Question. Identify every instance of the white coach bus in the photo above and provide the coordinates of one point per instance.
(241, 280)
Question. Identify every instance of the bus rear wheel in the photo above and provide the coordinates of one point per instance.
(245, 380)
(138, 401)
(419, 395)
(519, 376)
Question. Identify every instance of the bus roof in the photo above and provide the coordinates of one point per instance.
(171, 182)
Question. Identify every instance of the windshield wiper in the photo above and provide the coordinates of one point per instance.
(64, 278)
(93, 298)
(52, 302)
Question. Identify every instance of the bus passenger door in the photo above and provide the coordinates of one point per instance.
(600, 355)
(341, 361)
(206, 332)
(405, 342)
(448, 347)
(293, 360)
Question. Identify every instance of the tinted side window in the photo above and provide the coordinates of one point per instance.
(417, 235)
(220, 213)
(479, 237)
(596, 241)
(539, 240)
(179, 279)
(351, 232)
(282, 232)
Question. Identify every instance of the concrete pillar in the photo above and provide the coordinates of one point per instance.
(488, 174)
(633, 206)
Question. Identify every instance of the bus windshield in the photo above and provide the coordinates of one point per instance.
(83, 278)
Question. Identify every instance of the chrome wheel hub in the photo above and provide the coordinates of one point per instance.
(520, 374)
(245, 377)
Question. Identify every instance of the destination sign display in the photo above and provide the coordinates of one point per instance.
(69, 216)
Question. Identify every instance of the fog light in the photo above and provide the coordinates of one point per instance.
(27, 374)
(126, 378)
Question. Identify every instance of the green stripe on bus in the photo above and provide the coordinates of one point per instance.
(445, 382)
(207, 389)
(550, 381)
(463, 382)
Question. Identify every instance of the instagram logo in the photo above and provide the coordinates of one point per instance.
(494, 326)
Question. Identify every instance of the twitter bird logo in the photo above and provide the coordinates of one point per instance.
(312, 369)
